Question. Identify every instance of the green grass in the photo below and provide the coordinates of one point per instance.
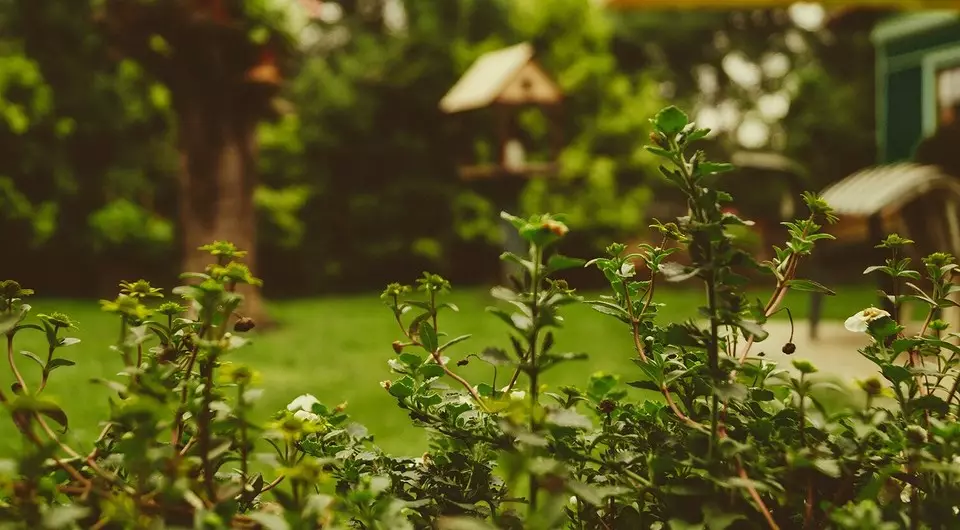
(337, 349)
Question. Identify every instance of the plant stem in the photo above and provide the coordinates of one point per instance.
(13, 364)
(532, 360)
(713, 351)
(243, 436)
(203, 428)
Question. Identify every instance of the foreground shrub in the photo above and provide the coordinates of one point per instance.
(727, 439)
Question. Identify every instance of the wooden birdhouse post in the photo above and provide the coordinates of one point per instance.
(502, 85)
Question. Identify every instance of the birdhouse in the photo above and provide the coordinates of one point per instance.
(505, 83)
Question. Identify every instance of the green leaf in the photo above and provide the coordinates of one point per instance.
(607, 308)
(761, 394)
(269, 521)
(64, 516)
(717, 519)
(558, 263)
(827, 466)
(895, 374)
(453, 341)
(670, 120)
(727, 391)
(463, 523)
(931, 402)
(645, 385)
(680, 524)
(753, 329)
(59, 363)
(697, 134)
(659, 151)
(810, 286)
(32, 356)
(410, 360)
(41, 406)
(675, 272)
(568, 418)
(428, 337)
(495, 356)
(431, 370)
(402, 387)
(712, 168)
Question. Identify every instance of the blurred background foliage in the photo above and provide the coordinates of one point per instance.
(358, 180)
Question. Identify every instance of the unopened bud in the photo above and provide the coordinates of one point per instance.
(244, 324)
(916, 434)
(607, 406)
(789, 348)
(873, 387)
(397, 346)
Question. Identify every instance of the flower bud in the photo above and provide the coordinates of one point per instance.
(386, 384)
(789, 348)
(244, 324)
(916, 434)
(873, 387)
(607, 406)
(397, 346)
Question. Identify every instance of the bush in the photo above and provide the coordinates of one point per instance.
(733, 442)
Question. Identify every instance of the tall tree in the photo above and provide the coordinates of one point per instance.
(220, 60)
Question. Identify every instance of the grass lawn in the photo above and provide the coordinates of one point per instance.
(336, 348)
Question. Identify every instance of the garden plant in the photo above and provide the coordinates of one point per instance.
(720, 437)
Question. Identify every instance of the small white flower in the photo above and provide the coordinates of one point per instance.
(860, 322)
(306, 416)
(303, 403)
(573, 500)
(518, 395)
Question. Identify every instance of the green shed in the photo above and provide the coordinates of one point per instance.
(918, 78)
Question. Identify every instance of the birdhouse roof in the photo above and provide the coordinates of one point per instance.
(887, 187)
(491, 79)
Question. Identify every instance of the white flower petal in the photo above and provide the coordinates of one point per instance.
(304, 402)
(304, 415)
(856, 324)
(518, 395)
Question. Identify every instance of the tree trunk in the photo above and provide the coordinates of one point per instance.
(218, 156)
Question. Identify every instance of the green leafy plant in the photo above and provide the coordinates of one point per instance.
(722, 438)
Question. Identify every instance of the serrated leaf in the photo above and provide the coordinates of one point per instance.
(895, 374)
(431, 370)
(645, 385)
(670, 120)
(410, 360)
(402, 387)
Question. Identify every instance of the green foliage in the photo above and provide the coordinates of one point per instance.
(747, 443)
